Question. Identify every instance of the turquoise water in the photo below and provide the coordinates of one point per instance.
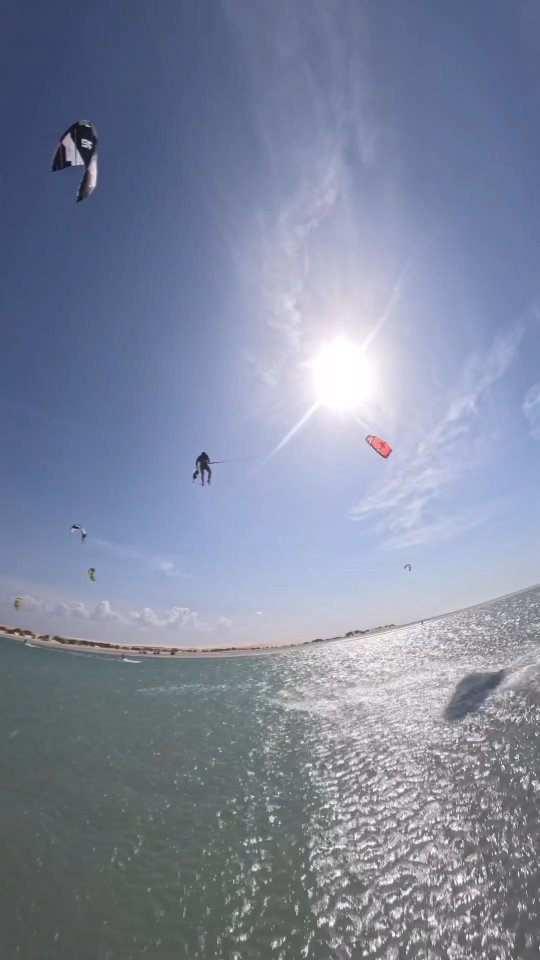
(339, 802)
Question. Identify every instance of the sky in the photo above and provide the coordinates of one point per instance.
(271, 176)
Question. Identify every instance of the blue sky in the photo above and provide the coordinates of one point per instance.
(271, 175)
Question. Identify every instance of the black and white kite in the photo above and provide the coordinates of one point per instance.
(78, 148)
(77, 527)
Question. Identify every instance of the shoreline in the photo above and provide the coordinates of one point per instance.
(145, 651)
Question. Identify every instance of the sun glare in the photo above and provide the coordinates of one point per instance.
(341, 374)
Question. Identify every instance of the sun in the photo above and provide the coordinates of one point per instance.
(342, 376)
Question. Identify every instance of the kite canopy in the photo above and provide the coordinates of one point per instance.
(75, 527)
(381, 446)
(92, 573)
(78, 148)
(407, 567)
(17, 602)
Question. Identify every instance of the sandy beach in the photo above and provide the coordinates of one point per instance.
(101, 647)
(78, 645)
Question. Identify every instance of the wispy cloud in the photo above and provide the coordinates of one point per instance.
(446, 527)
(307, 96)
(160, 564)
(405, 506)
(287, 261)
(531, 410)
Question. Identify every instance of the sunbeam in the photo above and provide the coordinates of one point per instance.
(291, 434)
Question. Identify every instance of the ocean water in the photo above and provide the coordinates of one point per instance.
(374, 798)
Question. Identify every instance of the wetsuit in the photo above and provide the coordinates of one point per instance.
(202, 466)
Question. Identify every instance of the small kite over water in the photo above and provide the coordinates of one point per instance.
(17, 602)
(408, 567)
(78, 148)
(92, 573)
(77, 526)
(380, 446)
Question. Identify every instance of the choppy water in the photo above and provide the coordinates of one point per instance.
(373, 798)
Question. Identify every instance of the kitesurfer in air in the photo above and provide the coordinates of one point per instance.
(202, 466)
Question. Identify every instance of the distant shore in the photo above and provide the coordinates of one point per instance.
(76, 644)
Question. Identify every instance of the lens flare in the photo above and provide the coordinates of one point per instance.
(342, 376)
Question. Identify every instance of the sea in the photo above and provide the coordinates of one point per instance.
(370, 798)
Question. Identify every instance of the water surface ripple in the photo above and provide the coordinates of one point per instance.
(375, 798)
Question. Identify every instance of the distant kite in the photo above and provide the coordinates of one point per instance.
(92, 573)
(77, 526)
(78, 148)
(380, 446)
(17, 602)
(407, 567)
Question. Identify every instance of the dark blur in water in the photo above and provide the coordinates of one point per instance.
(371, 798)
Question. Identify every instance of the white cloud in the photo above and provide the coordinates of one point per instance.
(225, 623)
(51, 608)
(77, 610)
(166, 566)
(66, 610)
(405, 505)
(179, 618)
(104, 611)
(531, 410)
